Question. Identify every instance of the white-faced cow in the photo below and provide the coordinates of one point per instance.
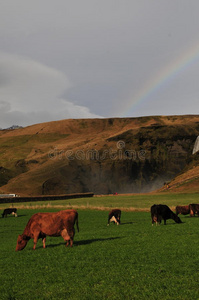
(8, 211)
(114, 216)
(56, 224)
(163, 212)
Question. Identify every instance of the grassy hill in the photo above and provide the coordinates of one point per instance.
(124, 155)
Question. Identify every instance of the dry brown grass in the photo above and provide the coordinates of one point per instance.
(69, 206)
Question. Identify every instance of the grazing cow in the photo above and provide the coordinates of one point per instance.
(159, 212)
(194, 209)
(52, 224)
(9, 211)
(182, 210)
(114, 216)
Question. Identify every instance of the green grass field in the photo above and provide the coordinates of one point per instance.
(126, 202)
(130, 261)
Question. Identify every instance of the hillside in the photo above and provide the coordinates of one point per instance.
(124, 155)
(187, 180)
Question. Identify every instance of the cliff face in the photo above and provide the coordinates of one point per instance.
(126, 155)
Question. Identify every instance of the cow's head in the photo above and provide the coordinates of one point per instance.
(177, 219)
(21, 242)
(118, 219)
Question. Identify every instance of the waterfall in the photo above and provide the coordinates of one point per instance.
(196, 146)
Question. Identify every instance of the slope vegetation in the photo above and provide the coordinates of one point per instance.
(124, 155)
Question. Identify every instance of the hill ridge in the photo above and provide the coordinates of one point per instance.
(96, 155)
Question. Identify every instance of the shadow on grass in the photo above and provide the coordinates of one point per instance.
(18, 216)
(79, 243)
(123, 223)
(127, 223)
(87, 242)
(168, 224)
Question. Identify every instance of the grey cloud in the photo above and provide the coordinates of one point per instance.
(4, 107)
(101, 54)
(32, 93)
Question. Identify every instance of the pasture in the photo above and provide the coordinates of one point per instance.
(130, 261)
(137, 202)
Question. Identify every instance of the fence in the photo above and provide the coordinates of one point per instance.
(44, 198)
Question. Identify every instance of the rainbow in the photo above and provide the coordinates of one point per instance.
(163, 77)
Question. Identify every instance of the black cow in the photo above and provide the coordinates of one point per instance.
(114, 216)
(159, 212)
(9, 211)
(194, 209)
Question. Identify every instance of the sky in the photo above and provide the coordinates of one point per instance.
(97, 59)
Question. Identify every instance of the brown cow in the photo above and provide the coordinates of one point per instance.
(52, 224)
(182, 210)
(194, 209)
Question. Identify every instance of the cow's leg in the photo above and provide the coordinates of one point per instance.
(35, 239)
(67, 238)
(71, 234)
(71, 242)
(113, 219)
(154, 220)
(159, 219)
(44, 242)
(35, 243)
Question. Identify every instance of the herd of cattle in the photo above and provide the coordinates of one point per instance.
(163, 212)
(62, 223)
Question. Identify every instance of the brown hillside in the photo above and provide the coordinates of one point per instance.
(187, 180)
(98, 155)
